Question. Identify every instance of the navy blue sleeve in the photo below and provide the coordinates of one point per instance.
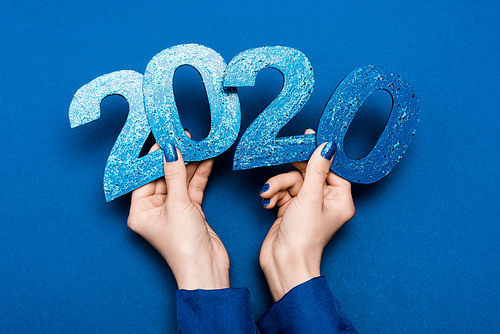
(308, 308)
(215, 311)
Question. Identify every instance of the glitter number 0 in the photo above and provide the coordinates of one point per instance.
(162, 112)
(124, 171)
(259, 145)
(394, 140)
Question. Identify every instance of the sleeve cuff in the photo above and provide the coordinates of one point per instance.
(214, 311)
(309, 307)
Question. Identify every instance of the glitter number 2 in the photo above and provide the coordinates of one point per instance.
(124, 171)
(259, 146)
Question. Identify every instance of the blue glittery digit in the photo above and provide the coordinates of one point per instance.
(162, 111)
(394, 140)
(124, 170)
(259, 145)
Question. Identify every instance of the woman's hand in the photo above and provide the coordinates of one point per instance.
(313, 204)
(168, 214)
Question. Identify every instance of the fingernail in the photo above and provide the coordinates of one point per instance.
(264, 188)
(170, 153)
(266, 202)
(186, 129)
(329, 150)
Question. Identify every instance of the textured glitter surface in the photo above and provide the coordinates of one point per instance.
(259, 146)
(394, 140)
(124, 171)
(162, 111)
(151, 98)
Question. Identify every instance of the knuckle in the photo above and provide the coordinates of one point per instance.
(274, 180)
(173, 173)
(318, 169)
(296, 175)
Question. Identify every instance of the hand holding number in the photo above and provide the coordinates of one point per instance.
(313, 204)
(168, 214)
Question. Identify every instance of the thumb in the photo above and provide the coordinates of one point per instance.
(175, 172)
(317, 170)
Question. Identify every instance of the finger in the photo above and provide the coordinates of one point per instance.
(291, 181)
(280, 198)
(191, 169)
(317, 171)
(338, 182)
(149, 188)
(175, 173)
(161, 187)
(198, 183)
(302, 165)
(191, 166)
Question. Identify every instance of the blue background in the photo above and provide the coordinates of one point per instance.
(422, 253)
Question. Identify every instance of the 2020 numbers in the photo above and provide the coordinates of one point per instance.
(152, 108)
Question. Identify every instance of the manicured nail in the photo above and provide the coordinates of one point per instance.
(266, 202)
(329, 150)
(170, 153)
(264, 188)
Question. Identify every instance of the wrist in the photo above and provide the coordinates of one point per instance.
(198, 268)
(280, 285)
(285, 273)
(199, 279)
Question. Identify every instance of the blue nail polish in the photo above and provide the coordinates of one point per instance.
(329, 150)
(170, 153)
(264, 188)
(266, 202)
